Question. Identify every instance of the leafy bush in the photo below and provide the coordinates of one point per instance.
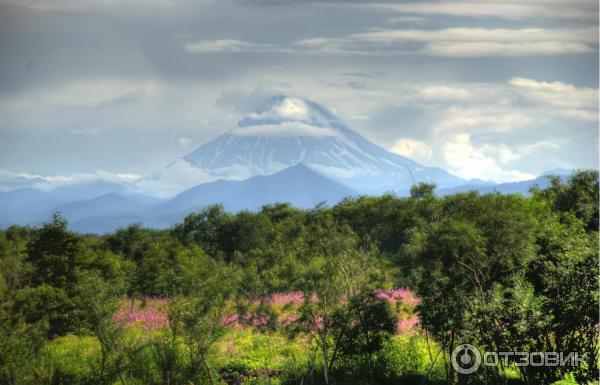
(73, 360)
(568, 379)
(404, 357)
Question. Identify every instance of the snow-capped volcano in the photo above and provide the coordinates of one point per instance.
(288, 131)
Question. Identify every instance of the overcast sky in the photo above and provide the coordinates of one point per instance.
(492, 89)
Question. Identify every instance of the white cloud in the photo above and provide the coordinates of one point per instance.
(342, 46)
(284, 129)
(519, 109)
(459, 42)
(182, 175)
(505, 155)
(49, 182)
(288, 109)
(413, 149)
(467, 34)
(468, 161)
(444, 93)
(476, 42)
(491, 49)
(519, 104)
(579, 10)
(178, 176)
(227, 45)
(575, 102)
(586, 116)
(448, 42)
(484, 118)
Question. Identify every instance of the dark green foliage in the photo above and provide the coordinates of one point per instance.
(579, 196)
(55, 254)
(508, 273)
(422, 191)
(365, 327)
(49, 305)
(512, 274)
(205, 228)
(20, 346)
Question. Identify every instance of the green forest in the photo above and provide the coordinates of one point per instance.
(374, 290)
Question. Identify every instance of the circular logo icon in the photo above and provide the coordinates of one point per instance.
(466, 359)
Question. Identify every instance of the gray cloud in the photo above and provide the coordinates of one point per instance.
(461, 42)
(130, 87)
(228, 45)
(577, 10)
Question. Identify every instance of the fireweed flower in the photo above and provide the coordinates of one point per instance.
(285, 298)
(150, 319)
(406, 325)
(401, 294)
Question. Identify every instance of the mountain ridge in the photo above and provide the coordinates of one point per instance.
(298, 185)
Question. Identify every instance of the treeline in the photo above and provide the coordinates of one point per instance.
(502, 272)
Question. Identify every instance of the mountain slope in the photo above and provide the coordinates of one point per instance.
(299, 185)
(103, 206)
(22, 196)
(86, 190)
(75, 202)
(289, 131)
(25, 206)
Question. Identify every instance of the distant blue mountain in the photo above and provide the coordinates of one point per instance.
(559, 171)
(75, 202)
(103, 206)
(86, 190)
(25, 206)
(103, 214)
(298, 185)
(15, 198)
(522, 187)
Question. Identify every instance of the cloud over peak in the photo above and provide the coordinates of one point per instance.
(285, 129)
(285, 109)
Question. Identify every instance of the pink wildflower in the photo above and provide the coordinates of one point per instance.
(284, 298)
(150, 319)
(407, 325)
(229, 319)
(287, 320)
(401, 294)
